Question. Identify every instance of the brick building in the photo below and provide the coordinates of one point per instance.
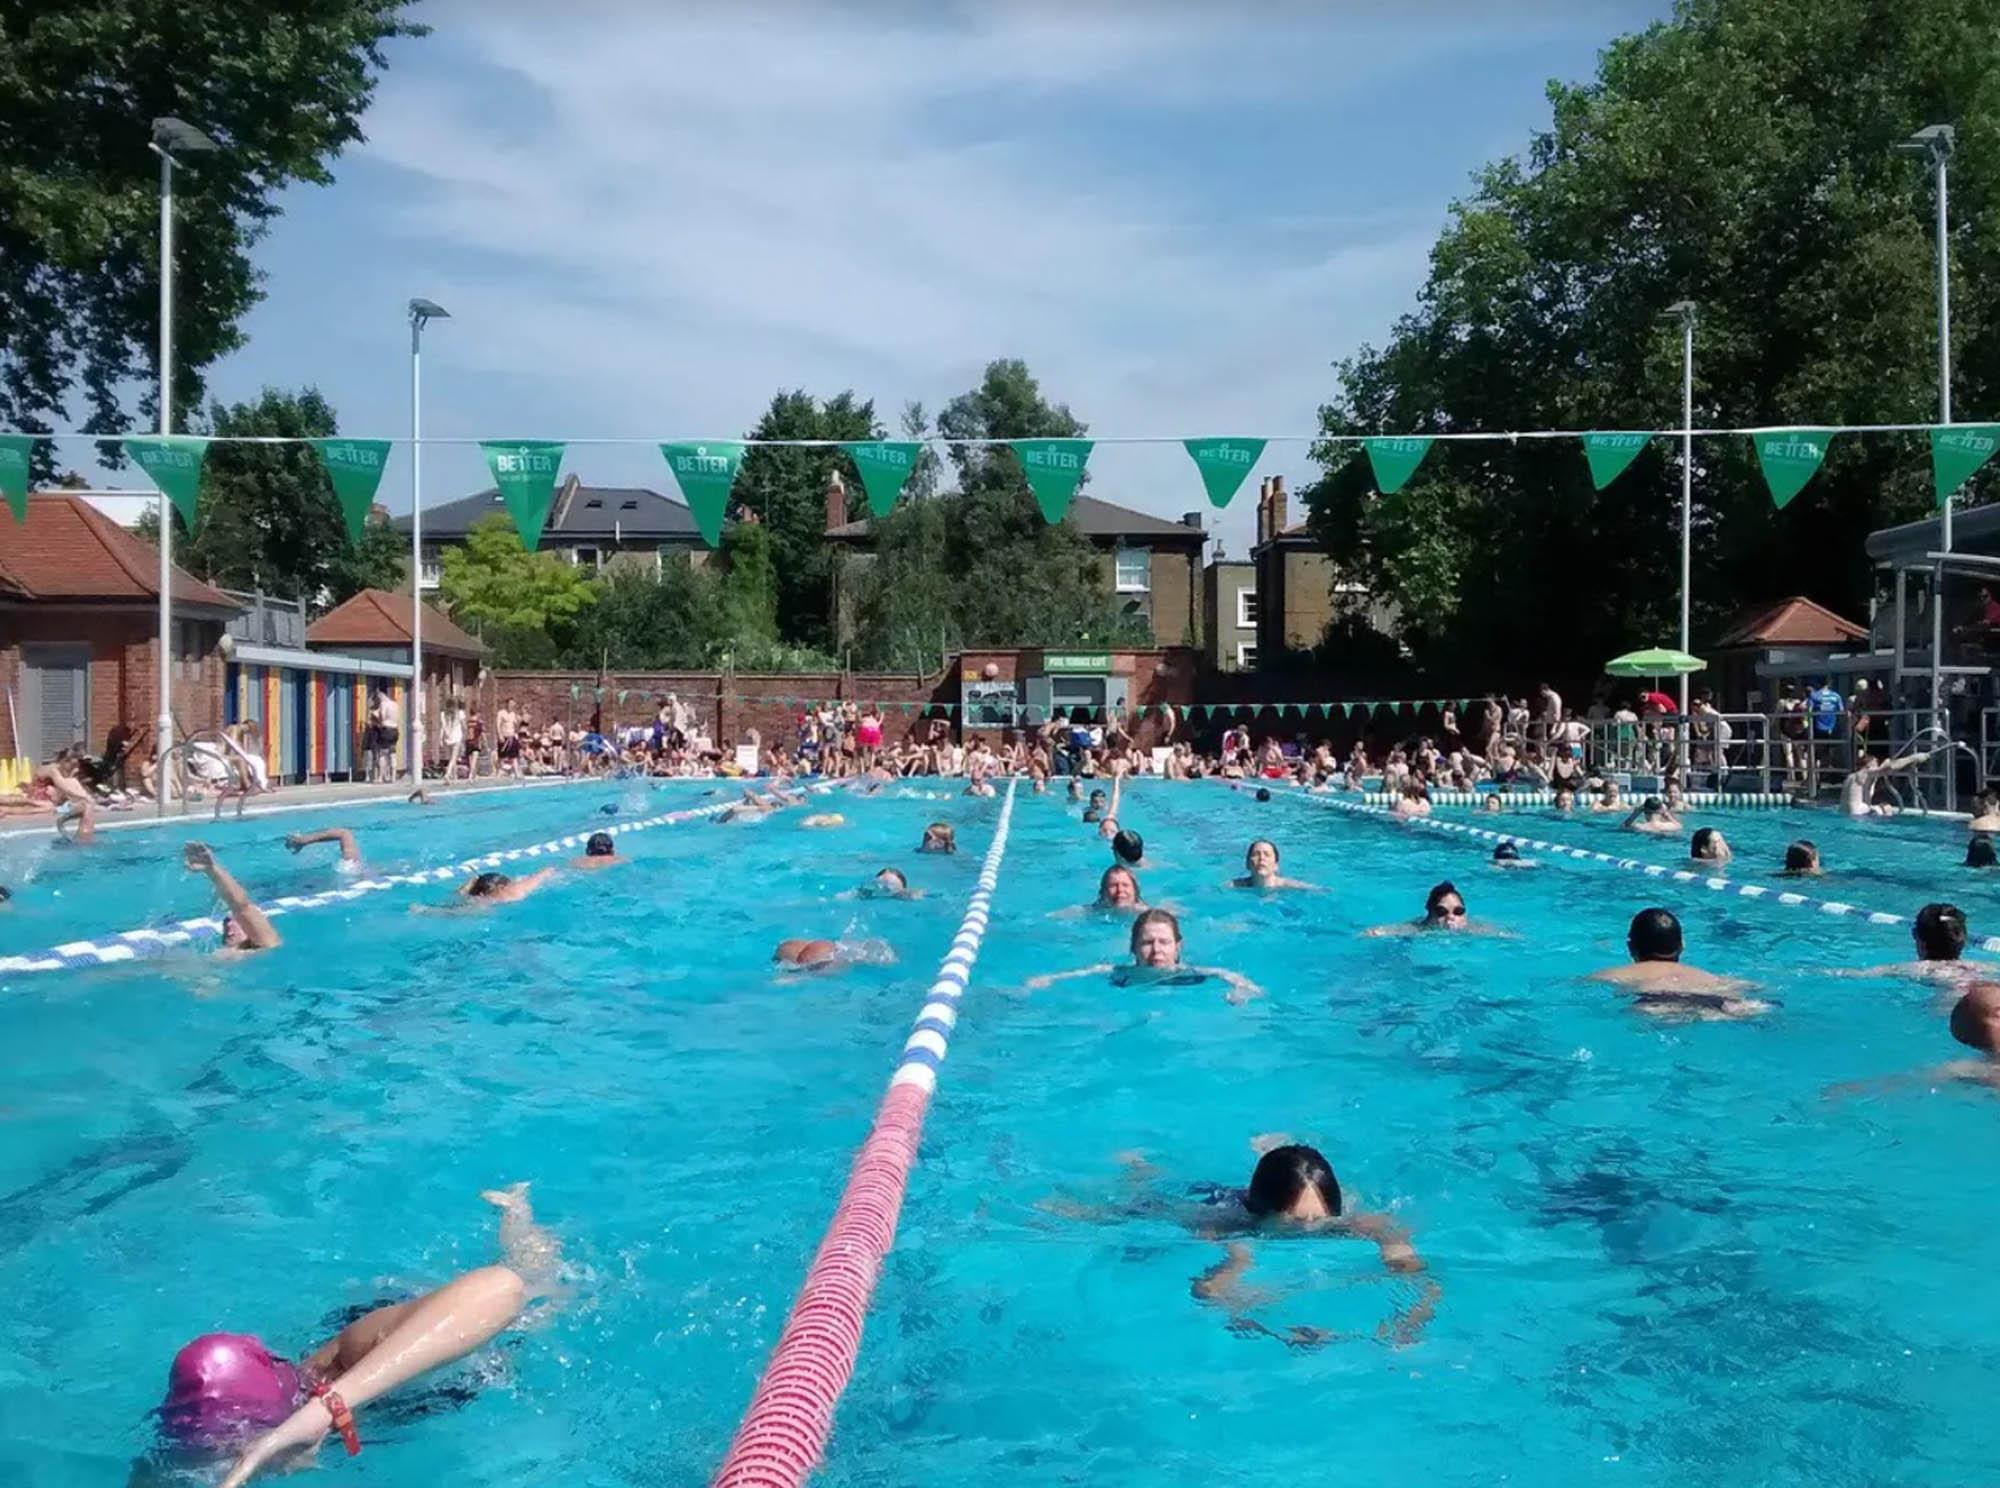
(1229, 614)
(374, 626)
(79, 632)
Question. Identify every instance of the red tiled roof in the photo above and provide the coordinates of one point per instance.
(375, 617)
(1793, 622)
(68, 550)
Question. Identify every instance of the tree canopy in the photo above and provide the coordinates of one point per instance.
(493, 583)
(1742, 156)
(281, 89)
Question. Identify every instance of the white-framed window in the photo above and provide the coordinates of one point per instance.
(1246, 656)
(1246, 609)
(430, 569)
(1134, 570)
(587, 558)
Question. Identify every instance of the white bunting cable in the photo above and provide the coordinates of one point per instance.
(1631, 865)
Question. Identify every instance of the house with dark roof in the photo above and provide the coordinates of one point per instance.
(1151, 565)
(594, 527)
(79, 631)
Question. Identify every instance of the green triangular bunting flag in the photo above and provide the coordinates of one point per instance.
(1956, 454)
(884, 466)
(1053, 468)
(15, 452)
(1609, 454)
(1223, 464)
(1790, 457)
(1394, 461)
(355, 468)
(174, 463)
(525, 470)
(706, 471)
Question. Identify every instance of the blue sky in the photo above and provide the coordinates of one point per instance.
(646, 219)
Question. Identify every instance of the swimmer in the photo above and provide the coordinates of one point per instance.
(1801, 861)
(1975, 1022)
(1709, 846)
(1857, 792)
(979, 785)
(1979, 852)
(1444, 909)
(1608, 798)
(939, 837)
(245, 928)
(1664, 987)
(498, 888)
(1263, 793)
(890, 884)
(1565, 799)
(825, 819)
(1128, 847)
(1508, 855)
(1491, 802)
(421, 797)
(224, 1384)
(1260, 862)
(1652, 816)
(350, 854)
(1095, 810)
(599, 852)
(1075, 789)
(1156, 959)
(1939, 933)
(829, 955)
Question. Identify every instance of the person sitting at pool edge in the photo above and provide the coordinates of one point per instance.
(350, 853)
(1664, 986)
(1857, 792)
(245, 928)
(1444, 909)
(1652, 816)
(599, 852)
(1801, 861)
(1260, 860)
(1709, 846)
(939, 837)
(222, 1383)
(498, 888)
(1156, 960)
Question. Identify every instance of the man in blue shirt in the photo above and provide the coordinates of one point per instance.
(1824, 704)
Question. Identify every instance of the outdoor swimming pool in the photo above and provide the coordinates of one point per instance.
(1665, 1256)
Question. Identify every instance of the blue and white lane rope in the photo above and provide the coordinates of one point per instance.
(134, 945)
(1630, 865)
(931, 1033)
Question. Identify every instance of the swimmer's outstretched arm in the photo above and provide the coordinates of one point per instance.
(1036, 983)
(1241, 988)
(1401, 927)
(348, 851)
(521, 888)
(258, 932)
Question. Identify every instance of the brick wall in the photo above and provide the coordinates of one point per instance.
(124, 676)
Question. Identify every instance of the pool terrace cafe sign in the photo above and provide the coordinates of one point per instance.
(1075, 663)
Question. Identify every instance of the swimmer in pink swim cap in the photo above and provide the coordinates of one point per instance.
(224, 1387)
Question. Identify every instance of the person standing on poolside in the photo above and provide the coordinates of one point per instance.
(507, 740)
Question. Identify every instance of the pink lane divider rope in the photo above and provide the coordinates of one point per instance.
(784, 1432)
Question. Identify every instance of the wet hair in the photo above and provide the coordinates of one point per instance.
(1940, 932)
(1263, 793)
(942, 834)
(5, 893)
(1284, 1173)
(1800, 856)
(486, 884)
(1104, 879)
(1097, 798)
(600, 846)
(1255, 844)
(609, 808)
(1155, 917)
(1438, 894)
(1655, 936)
(902, 882)
(1979, 852)
(1651, 806)
(1128, 846)
(1969, 1022)
(1506, 852)
(1092, 814)
(1702, 844)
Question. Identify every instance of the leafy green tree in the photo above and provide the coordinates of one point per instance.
(491, 579)
(1740, 155)
(642, 623)
(281, 88)
(267, 519)
(785, 487)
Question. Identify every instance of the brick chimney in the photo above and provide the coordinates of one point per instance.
(1263, 511)
(1278, 512)
(836, 500)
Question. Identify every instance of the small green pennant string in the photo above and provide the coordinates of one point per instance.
(355, 468)
(1609, 453)
(906, 707)
(1394, 461)
(174, 463)
(950, 708)
(884, 466)
(1317, 709)
(525, 472)
(1790, 458)
(16, 450)
(705, 472)
(1224, 464)
(1053, 468)
(1956, 455)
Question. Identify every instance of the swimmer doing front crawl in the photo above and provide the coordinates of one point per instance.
(1156, 961)
(224, 1386)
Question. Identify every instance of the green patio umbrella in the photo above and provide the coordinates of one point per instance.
(1656, 662)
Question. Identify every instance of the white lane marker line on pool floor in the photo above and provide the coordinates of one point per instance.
(1631, 865)
(130, 945)
(784, 1431)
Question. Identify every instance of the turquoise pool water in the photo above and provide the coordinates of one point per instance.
(1665, 1256)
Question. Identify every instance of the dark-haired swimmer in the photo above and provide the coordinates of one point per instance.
(1979, 852)
(599, 852)
(889, 883)
(1801, 861)
(498, 888)
(1444, 909)
(1664, 987)
(1652, 816)
(1156, 960)
(1708, 845)
(1508, 855)
(1975, 1022)
(1260, 861)
(1939, 932)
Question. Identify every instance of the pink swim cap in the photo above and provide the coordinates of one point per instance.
(224, 1382)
